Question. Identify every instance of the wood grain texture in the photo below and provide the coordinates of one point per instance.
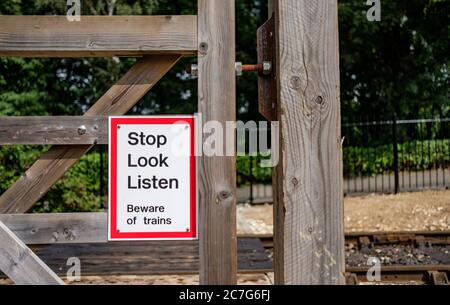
(55, 36)
(146, 258)
(20, 264)
(217, 175)
(52, 165)
(53, 130)
(309, 233)
(56, 228)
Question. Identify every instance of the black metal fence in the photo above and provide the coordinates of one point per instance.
(396, 155)
(387, 156)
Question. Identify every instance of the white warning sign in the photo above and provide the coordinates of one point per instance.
(152, 178)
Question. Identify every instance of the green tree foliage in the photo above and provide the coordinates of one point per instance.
(399, 65)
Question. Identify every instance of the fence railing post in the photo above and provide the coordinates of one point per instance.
(308, 198)
(217, 174)
(395, 152)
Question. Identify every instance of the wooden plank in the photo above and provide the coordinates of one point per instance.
(67, 228)
(52, 165)
(56, 228)
(308, 229)
(53, 130)
(217, 175)
(55, 36)
(20, 264)
(147, 258)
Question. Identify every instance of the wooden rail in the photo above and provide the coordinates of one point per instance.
(146, 258)
(20, 264)
(58, 228)
(54, 130)
(93, 36)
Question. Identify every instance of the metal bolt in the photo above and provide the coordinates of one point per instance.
(82, 130)
(238, 67)
(267, 67)
(193, 70)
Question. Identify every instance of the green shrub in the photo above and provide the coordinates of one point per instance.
(77, 191)
(258, 174)
(414, 155)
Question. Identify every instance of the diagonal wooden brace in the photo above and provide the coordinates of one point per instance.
(20, 264)
(51, 166)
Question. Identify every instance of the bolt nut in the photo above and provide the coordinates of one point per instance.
(194, 70)
(82, 130)
(238, 67)
(267, 67)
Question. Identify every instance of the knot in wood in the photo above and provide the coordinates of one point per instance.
(319, 100)
(296, 82)
(224, 195)
(203, 48)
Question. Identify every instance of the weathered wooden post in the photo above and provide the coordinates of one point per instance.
(308, 220)
(217, 175)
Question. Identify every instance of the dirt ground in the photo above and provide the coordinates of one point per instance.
(425, 211)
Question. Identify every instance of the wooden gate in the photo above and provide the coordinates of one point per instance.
(308, 211)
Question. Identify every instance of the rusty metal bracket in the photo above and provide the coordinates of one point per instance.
(267, 83)
(265, 67)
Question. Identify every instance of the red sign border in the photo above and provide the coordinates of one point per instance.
(113, 233)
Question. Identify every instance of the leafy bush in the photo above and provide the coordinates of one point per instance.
(77, 191)
(365, 161)
(414, 155)
(258, 174)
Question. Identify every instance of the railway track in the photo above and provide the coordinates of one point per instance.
(361, 239)
(425, 274)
